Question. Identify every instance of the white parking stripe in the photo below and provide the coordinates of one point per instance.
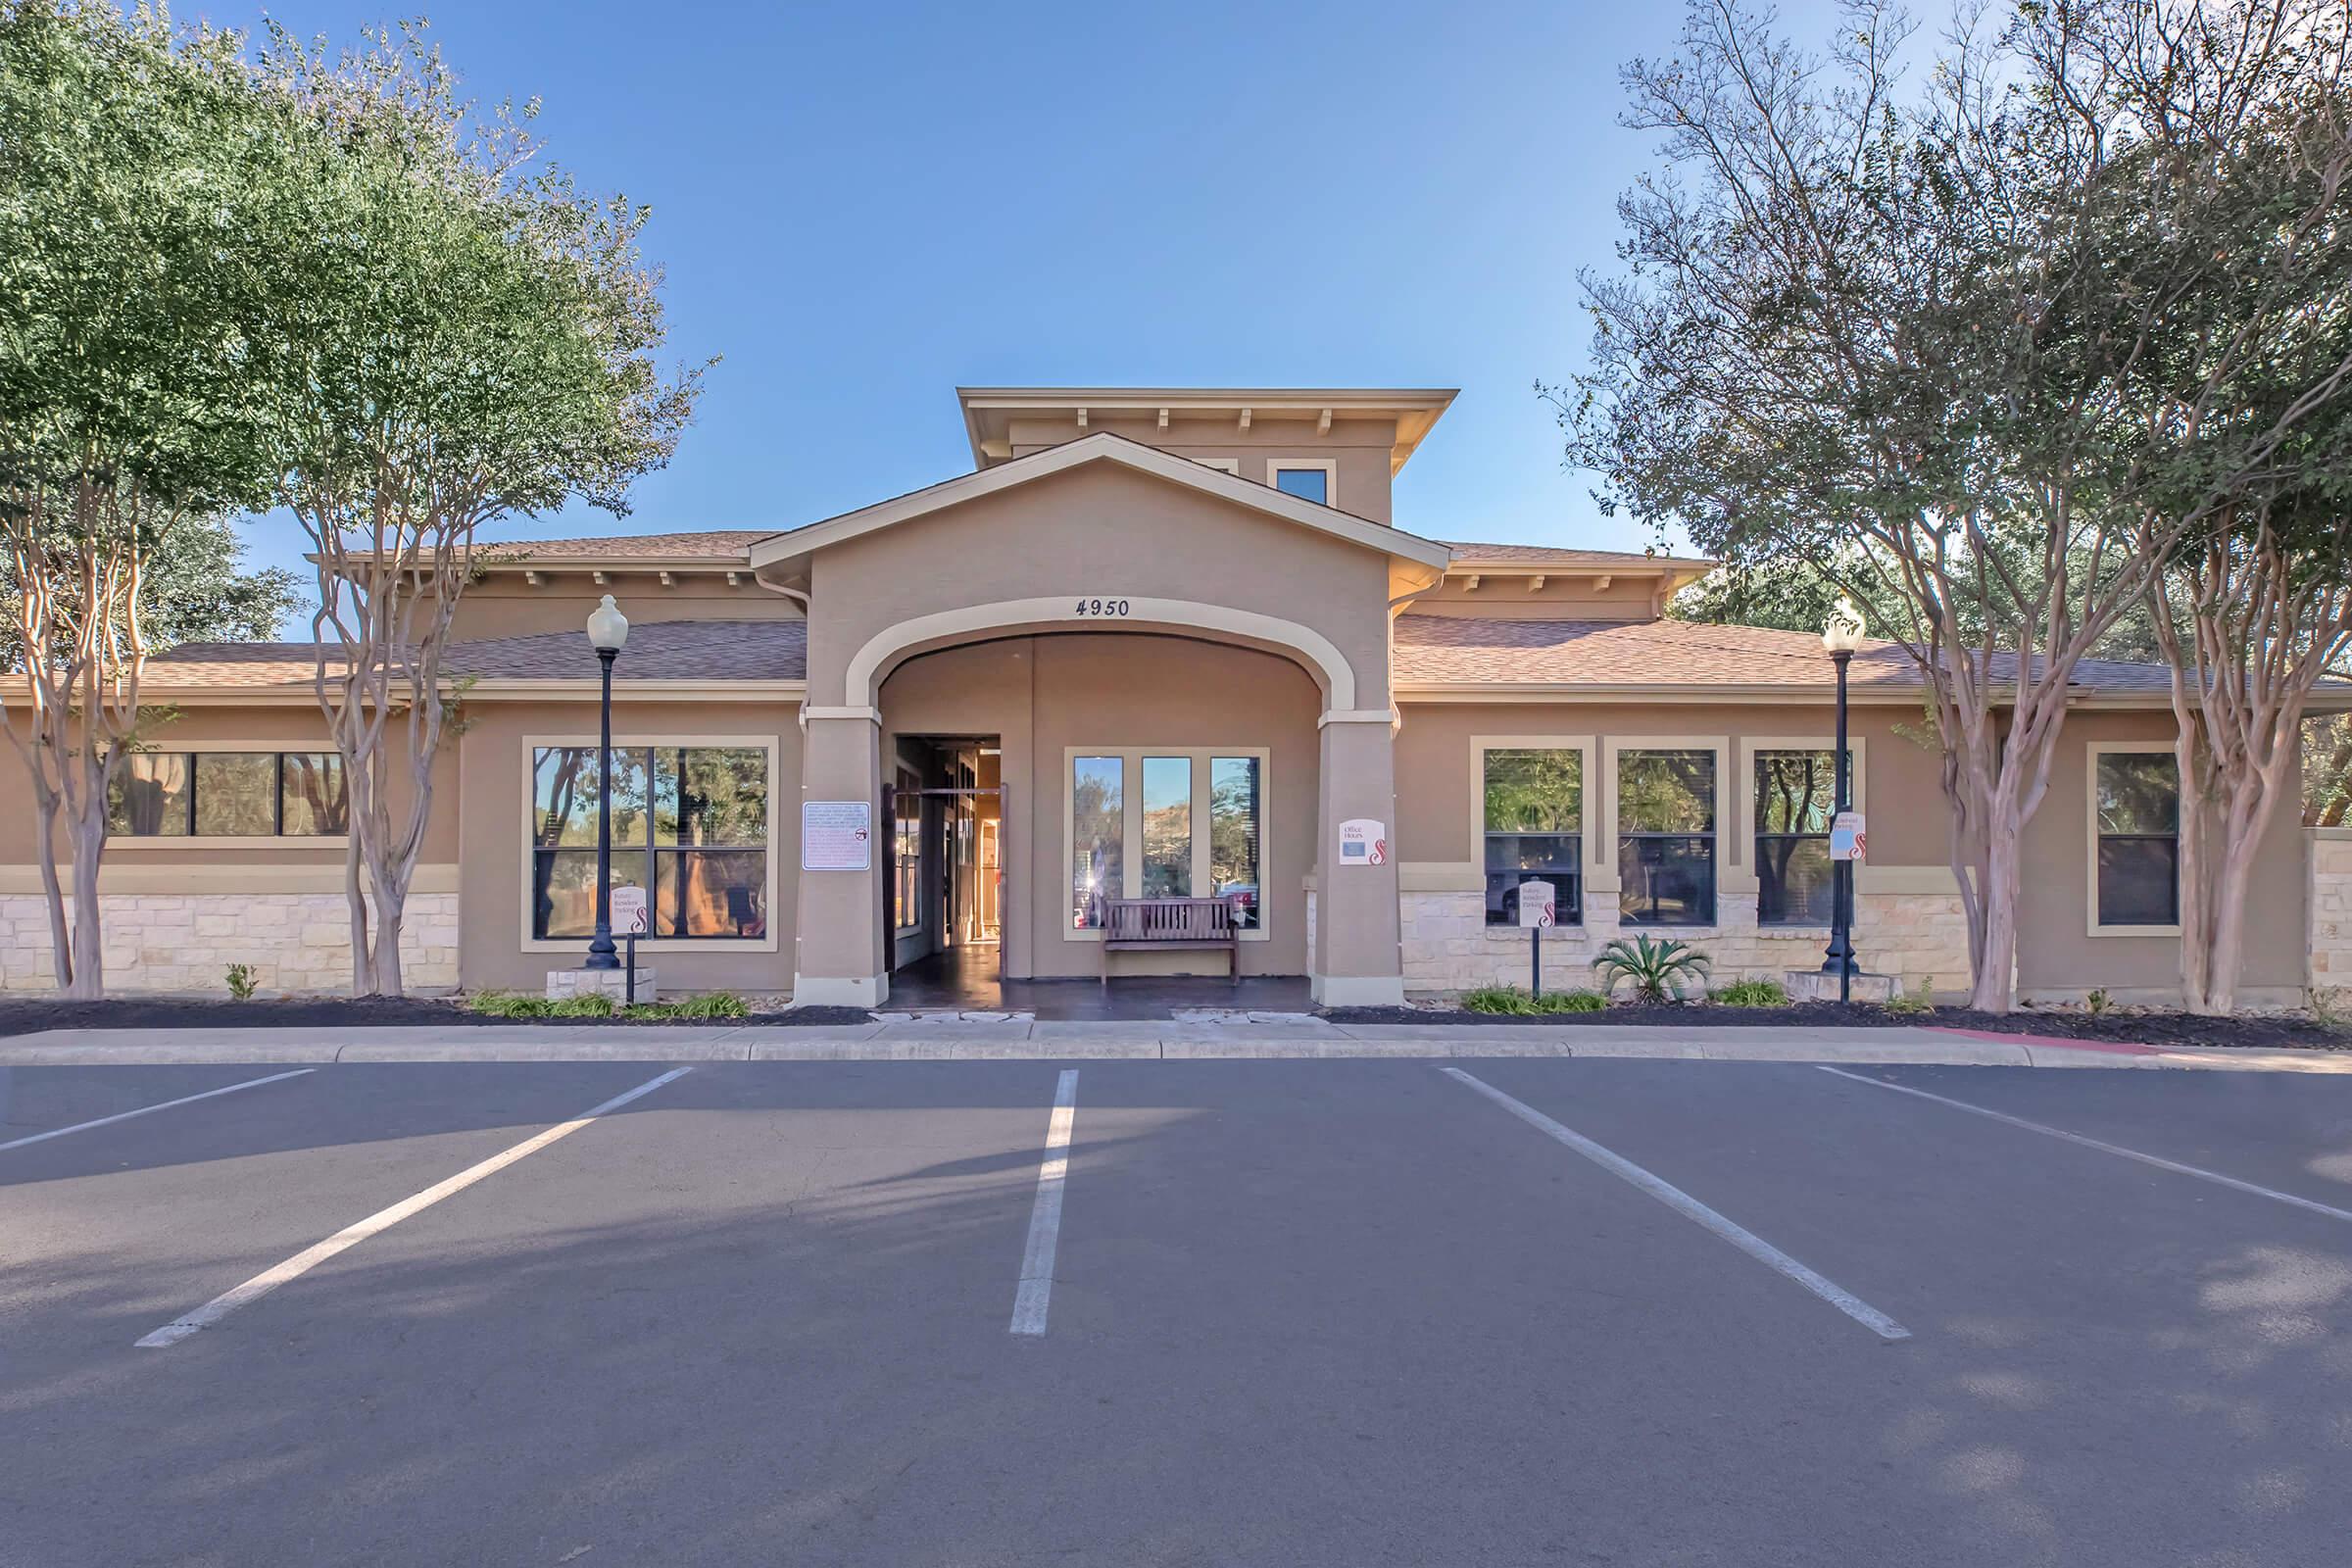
(1036, 1291)
(1690, 1209)
(2156, 1160)
(302, 1262)
(148, 1110)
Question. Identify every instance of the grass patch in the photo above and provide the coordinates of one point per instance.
(1518, 1004)
(1751, 994)
(1915, 999)
(596, 1004)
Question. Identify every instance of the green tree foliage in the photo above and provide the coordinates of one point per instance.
(466, 336)
(133, 261)
(1989, 331)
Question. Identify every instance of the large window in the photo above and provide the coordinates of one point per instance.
(1535, 805)
(1197, 830)
(2138, 805)
(1797, 798)
(1097, 836)
(689, 825)
(1666, 837)
(907, 855)
(229, 795)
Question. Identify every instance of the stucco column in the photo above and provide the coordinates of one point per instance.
(842, 961)
(1356, 960)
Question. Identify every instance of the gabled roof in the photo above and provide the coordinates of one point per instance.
(1469, 554)
(987, 410)
(1100, 447)
(717, 545)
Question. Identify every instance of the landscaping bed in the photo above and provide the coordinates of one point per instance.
(2119, 1026)
(20, 1017)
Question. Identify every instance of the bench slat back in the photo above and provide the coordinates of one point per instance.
(1168, 919)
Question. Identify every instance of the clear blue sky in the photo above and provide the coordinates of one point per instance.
(860, 206)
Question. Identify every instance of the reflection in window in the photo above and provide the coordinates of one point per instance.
(1097, 836)
(149, 797)
(907, 855)
(2140, 838)
(689, 825)
(1534, 826)
(1235, 811)
(1167, 827)
(1796, 796)
(1307, 485)
(236, 794)
(312, 801)
(228, 794)
(1666, 837)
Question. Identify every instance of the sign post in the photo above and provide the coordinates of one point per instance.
(628, 918)
(1535, 912)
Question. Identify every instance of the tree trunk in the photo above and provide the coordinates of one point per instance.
(362, 970)
(1991, 987)
(88, 831)
(386, 958)
(2237, 872)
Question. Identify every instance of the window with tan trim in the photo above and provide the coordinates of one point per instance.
(1164, 822)
(691, 823)
(229, 795)
(1315, 479)
(2136, 827)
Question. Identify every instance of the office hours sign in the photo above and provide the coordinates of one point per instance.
(1364, 841)
(836, 835)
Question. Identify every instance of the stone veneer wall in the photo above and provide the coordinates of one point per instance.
(1922, 938)
(297, 943)
(2330, 913)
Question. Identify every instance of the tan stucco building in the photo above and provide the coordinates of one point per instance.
(1157, 643)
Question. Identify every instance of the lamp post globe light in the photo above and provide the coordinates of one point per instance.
(608, 634)
(1840, 637)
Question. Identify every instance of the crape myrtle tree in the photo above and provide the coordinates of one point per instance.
(473, 338)
(129, 259)
(1900, 325)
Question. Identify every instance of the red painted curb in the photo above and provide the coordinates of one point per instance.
(2120, 1047)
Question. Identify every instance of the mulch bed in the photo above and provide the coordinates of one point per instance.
(343, 1012)
(2123, 1027)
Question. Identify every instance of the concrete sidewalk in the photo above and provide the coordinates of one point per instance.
(1021, 1039)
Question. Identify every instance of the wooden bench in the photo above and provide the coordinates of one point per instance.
(1142, 925)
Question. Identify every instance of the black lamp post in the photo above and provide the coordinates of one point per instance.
(608, 633)
(1840, 637)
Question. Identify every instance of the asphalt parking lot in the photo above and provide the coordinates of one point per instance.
(1196, 1313)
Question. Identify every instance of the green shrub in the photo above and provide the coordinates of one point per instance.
(242, 981)
(1658, 968)
(586, 1005)
(708, 1004)
(1751, 994)
(1916, 999)
(1516, 1003)
(2098, 1003)
(508, 1005)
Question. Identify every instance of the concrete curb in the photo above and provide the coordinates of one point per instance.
(1020, 1041)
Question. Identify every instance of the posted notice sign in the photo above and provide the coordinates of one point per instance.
(628, 911)
(1535, 904)
(1364, 841)
(837, 836)
(1847, 840)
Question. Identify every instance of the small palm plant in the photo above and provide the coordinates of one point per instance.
(1656, 967)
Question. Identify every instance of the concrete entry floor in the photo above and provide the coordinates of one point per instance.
(965, 979)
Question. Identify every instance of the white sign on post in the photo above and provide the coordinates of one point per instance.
(628, 911)
(1536, 907)
(837, 836)
(1848, 840)
(1364, 841)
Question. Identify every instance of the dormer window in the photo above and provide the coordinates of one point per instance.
(1308, 481)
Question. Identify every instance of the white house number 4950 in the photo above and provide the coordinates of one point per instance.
(1102, 606)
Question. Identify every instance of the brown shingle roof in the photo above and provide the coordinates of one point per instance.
(718, 650)
(1462, 649)
(714, 544)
